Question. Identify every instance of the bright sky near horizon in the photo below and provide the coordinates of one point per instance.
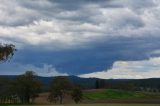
(87, 38)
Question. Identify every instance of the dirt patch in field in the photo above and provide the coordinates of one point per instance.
(42, 99)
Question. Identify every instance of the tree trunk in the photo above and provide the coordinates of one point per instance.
(61, 99)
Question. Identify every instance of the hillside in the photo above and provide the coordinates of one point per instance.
(89, 83)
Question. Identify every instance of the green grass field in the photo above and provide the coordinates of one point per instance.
(117, 94)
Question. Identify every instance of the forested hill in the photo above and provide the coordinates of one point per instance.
(90, 83)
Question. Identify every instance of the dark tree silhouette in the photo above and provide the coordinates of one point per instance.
(100, 83)
(27, 87)
(7, 95)
(58, 88)
(97, 84)
(6, 51)
(77, 94)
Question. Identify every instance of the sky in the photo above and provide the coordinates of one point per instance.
(110, 39)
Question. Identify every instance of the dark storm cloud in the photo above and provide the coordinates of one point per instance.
(99, 57)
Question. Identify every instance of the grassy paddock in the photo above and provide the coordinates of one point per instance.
(93, 105)
(118, 94)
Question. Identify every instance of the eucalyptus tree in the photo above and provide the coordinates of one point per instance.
(77, 94)
(6, 51)
(27, 87)
(58, 88)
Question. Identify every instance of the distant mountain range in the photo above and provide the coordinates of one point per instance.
(89, 83)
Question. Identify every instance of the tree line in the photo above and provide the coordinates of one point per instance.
(147, 85)
(25, 88)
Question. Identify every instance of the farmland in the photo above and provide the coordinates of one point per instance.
(108, 96)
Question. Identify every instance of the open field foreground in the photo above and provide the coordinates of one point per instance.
(108, 96)
(94, 105)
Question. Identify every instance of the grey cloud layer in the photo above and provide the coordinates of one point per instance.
(53, 23)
